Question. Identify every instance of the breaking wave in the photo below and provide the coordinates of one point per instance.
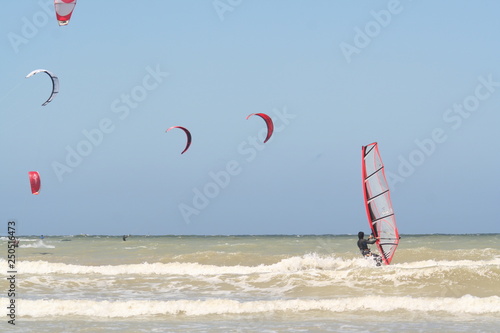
(289, 265)
(135, 308)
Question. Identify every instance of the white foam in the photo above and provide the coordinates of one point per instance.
(38, 244)
(134, 247)
(310, 263)
(450, 263)
(134, 308)
(287, 265)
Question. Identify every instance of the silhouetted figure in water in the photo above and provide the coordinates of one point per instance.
(125, 237)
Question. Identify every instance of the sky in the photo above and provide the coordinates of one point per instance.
(421, 78)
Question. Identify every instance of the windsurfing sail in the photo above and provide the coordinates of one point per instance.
(378, 202)
(34, 181)
(64, 9)
(55, 83)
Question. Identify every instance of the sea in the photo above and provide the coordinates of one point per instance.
(299, 283)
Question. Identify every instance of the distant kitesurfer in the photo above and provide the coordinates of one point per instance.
(125, 237)
(365, 250)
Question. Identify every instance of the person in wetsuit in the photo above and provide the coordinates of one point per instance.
(365, 250)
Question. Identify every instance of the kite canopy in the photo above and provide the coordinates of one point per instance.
(188, 134)
(269, 123)
(64, 9)
(55, 83)
(34, 181)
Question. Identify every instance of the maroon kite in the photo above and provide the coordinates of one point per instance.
(188, 134)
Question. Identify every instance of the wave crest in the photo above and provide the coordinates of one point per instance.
(124, 309)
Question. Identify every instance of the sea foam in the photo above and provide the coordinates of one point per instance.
(305, 263)
(138, 308)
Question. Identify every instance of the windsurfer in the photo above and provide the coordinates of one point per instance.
(365, 250)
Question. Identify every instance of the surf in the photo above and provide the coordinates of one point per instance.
(368, 304)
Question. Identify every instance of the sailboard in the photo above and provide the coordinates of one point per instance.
(378, 203)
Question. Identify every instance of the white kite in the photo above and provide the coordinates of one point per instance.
(55, 83)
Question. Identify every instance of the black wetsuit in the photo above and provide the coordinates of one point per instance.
(363, 246)
(365, 251)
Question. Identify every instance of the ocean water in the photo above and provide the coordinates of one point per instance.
(436, 283)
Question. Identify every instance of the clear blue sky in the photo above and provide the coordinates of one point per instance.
(419, 77)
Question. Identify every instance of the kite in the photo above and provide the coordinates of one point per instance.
(64, 9)
(188, 134)
(55, 83)
(34, 181)
(269, 123)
